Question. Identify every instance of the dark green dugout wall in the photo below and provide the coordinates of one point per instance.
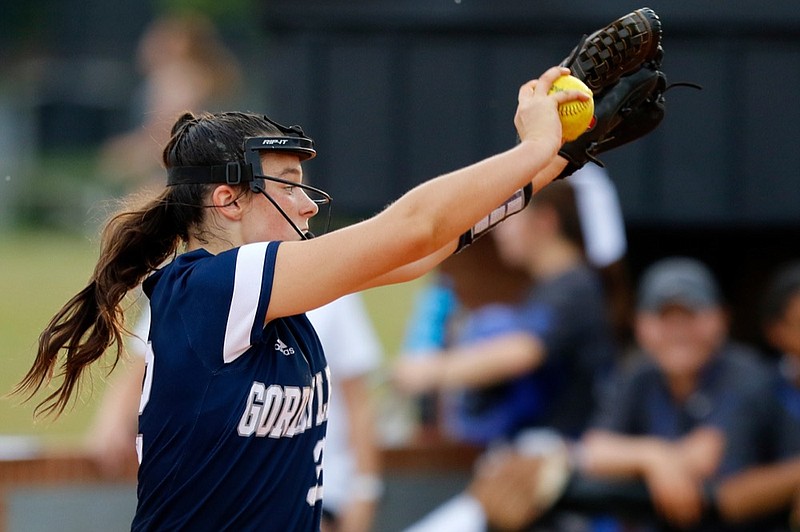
(397, 92)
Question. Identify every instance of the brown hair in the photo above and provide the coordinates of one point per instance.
(134, 243)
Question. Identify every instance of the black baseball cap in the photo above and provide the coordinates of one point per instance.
(679, 281)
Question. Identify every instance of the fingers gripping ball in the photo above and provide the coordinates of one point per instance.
(576, 116)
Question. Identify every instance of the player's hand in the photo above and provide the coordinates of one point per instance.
(537, 116)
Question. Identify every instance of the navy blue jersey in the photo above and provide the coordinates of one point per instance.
(233, 414)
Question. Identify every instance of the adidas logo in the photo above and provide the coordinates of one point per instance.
(283, 348)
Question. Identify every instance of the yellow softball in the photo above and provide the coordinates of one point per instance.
(576, 116)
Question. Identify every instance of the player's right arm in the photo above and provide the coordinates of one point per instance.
(425, 223)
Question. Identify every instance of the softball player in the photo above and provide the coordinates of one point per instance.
(235, 396)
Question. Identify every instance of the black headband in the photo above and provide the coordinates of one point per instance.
(231, 173)
(302, 146)
(234, 173)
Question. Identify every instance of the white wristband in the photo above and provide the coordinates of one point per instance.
(514, 204)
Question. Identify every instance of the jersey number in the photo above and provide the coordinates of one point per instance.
(315, 492)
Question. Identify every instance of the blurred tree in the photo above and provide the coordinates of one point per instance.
(223, 13)
(22, 25)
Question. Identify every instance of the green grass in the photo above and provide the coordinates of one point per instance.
(39, 271)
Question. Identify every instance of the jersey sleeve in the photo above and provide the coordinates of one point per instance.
(228, 297)
(137, 343)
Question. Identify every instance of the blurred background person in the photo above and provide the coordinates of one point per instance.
(478, 293)
(774, 488)
(559, 337)
(353, 482)
(694, 409)
(780, 325)
(444, 308)
(540, 363)
(185, 67)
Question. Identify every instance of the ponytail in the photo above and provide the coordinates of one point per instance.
(133, 245)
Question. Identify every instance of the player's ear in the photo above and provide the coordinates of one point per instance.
(226, 201)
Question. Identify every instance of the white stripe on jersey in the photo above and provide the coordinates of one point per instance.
(244, 303)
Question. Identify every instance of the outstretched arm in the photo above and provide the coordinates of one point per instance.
(429, 217)
(419, 268)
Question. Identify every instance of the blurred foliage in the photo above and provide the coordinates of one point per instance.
(22, 22)
(63, 192)
(223, 13)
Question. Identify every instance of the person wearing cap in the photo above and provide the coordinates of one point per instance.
(695, 419)
(695, 408)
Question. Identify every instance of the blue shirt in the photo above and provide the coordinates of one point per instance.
(233, 414)
(568, 315)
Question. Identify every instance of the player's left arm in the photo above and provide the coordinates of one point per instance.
(111, 437)
(417, 269)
